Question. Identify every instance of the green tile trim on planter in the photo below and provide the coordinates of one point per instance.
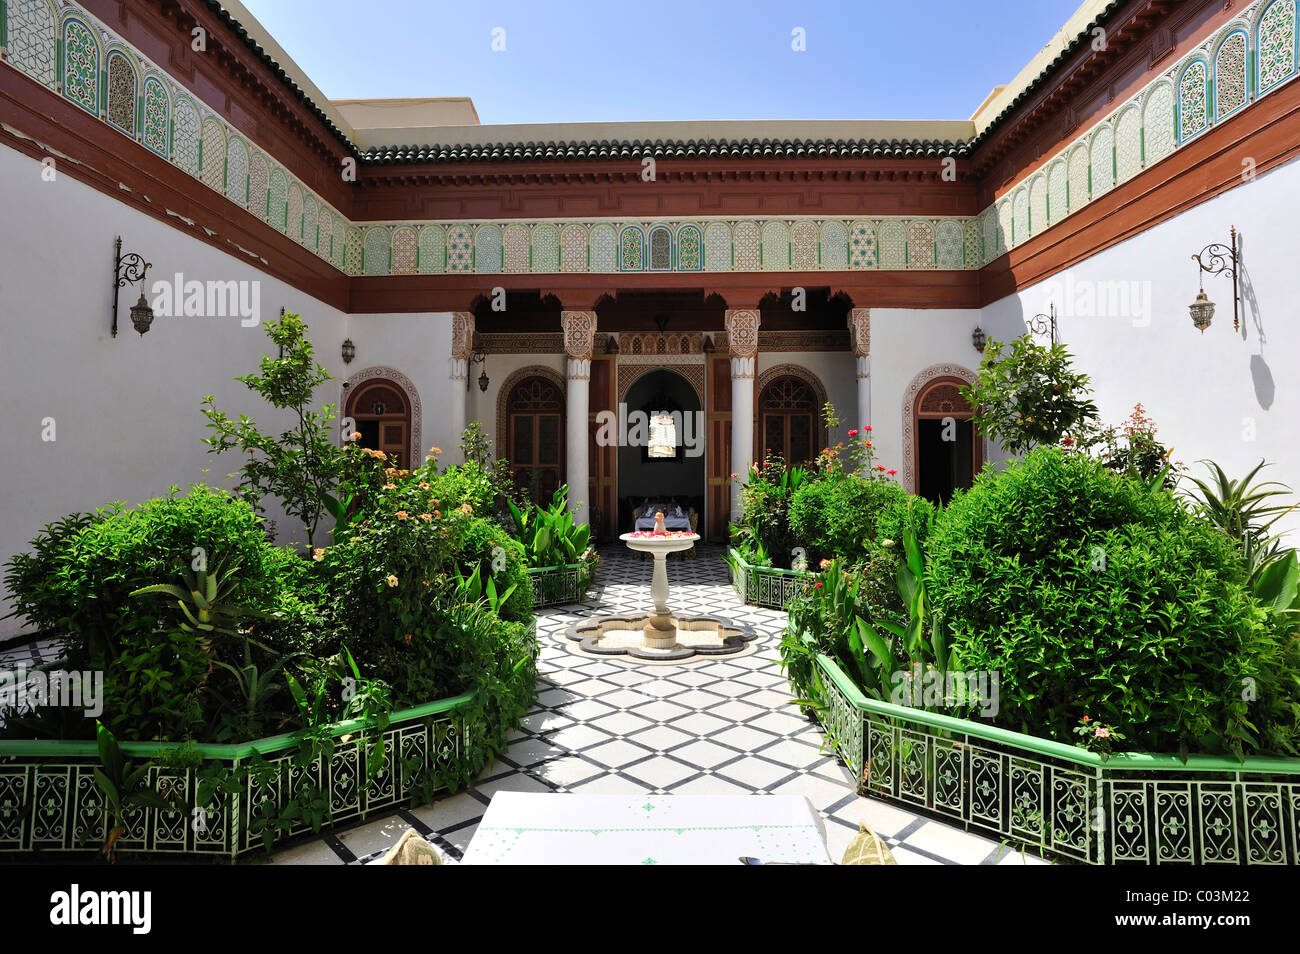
(50, 801)
(764, 585)
(1148, 808)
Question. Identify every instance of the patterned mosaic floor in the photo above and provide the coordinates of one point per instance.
(722, 726)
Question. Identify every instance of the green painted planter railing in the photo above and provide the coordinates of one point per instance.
(555, 585)
(1064, 800)
(764, 585)
(50, 802)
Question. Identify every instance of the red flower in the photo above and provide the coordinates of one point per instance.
(1086, 719)
(1067, 441)
(880, 467)
(853, 433)
(866, 427)
(817, 585)
(892, 472)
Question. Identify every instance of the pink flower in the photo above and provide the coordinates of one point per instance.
(1102, 733)
(824, 564)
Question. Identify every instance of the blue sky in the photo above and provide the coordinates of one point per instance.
(621, 60)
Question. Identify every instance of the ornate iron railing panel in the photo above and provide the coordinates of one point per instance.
(764, 585)
(557, 585)
(1143, 809)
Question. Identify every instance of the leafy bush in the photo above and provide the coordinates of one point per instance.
(302, 465)
(1030, 395)
(80, 577)
(1134, 449)
(763, 536)
(1095, 594)
(843, 515)
(548, 534)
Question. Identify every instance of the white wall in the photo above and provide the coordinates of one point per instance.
(482, 407)
(905, 342)
(1234, 398)
(418, 347)
(125, 410)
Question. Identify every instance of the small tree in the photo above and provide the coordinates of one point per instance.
(302, 465)
(1030, 395)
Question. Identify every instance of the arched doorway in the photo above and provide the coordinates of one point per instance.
(382, 413)
(534, 425)
(662, 461)
(949, 453)
(790, 416)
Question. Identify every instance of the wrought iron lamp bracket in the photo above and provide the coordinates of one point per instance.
(1219, 259)
(127, 270)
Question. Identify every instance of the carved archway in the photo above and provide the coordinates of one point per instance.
(634, 368)
(503, 397)
(415, 457)
(919, 387)
(531, 407)
(780, 377)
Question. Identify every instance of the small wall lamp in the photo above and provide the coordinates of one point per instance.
(478, 357)
(1216, 259)
(127, 270)
(349, 351)
(978, 338)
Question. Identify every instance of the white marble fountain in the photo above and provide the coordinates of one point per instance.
(660, 635)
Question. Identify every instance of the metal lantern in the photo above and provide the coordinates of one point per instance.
(349, 351)
(127, 270)
(1218, 259)
(978, 338)
(141, 315)
(1202, 311)
(483, 381)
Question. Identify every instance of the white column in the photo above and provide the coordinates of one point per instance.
(462, 346)
(864, 391)
(579, 331)
(456, 413)
(860, 337)
(742, 338)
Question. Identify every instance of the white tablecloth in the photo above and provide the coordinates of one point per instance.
(529, 829)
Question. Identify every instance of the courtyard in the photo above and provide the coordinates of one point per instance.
(725, 727)
(601, 480)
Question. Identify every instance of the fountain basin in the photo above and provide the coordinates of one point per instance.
(688, 636)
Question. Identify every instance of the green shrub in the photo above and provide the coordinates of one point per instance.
(763, 536)
(1093, 595)
(842, 515)
(88, 567)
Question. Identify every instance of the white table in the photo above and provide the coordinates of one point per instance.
(569, 829)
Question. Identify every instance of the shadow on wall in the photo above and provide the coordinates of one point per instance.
(1260, 373)
(1006, 325)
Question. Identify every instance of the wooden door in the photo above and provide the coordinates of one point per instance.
(718, 395)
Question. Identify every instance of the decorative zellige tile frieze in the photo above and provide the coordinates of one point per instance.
(700, 244)
(65, 48)
(68, 50)
(1250, 56)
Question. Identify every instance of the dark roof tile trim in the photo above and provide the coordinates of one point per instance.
(668, 149)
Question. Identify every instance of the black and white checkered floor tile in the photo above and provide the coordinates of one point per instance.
(721, 726)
